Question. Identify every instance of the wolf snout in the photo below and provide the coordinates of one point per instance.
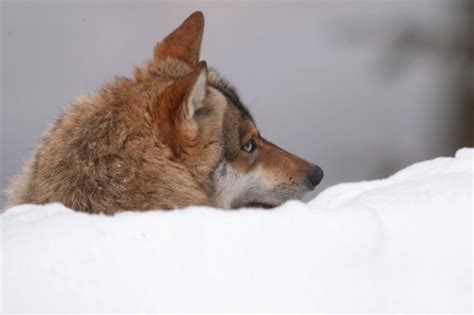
(314, 176)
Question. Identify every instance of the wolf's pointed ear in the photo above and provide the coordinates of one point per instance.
(196, 91)
(184, 43)
(176, 109)
(184, 97)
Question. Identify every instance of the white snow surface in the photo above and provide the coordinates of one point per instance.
(401, 244)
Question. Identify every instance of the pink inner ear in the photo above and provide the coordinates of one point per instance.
(184, 43)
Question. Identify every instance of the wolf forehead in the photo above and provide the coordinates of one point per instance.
(216, 81)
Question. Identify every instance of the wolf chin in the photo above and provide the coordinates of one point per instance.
(174, 135)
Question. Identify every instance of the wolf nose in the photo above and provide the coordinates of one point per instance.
(315, 175)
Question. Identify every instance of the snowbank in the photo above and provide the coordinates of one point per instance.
(399, 244)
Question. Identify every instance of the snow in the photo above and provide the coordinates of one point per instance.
(401, 244)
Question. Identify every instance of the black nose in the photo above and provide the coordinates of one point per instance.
(314, 175)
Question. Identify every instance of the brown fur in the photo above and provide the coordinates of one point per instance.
(185, 42)
(142, 143)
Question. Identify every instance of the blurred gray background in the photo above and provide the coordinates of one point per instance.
(362, 88)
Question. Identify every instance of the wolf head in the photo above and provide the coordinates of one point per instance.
(201, 118)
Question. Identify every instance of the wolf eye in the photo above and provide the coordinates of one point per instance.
(249, 146)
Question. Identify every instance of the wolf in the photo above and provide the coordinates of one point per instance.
(174, 135)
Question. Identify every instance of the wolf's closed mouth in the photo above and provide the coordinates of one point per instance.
(260, 205)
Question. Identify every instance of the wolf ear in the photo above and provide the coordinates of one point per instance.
(176, 109)
(184, 97)
(184, 43)
(196, 91)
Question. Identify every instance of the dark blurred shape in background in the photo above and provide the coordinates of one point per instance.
(411, 39)
(453, 46)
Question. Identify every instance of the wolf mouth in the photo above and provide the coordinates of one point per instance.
(260, 205)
